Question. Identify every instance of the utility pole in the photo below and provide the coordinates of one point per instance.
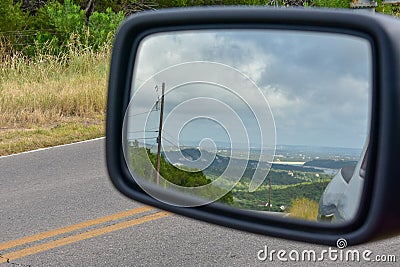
(269, 193)
(159, 134)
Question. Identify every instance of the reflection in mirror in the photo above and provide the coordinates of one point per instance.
(266, 120)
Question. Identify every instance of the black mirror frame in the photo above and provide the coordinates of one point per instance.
(377, 216)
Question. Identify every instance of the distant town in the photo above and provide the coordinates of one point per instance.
(297, 172)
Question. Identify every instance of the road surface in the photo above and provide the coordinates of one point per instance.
(58, 208)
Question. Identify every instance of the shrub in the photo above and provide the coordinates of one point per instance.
(13, 26)
(304, 208)
(53, 27)
(102, 27)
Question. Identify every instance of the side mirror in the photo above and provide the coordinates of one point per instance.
(280, 122)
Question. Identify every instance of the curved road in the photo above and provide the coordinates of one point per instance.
(59, 209)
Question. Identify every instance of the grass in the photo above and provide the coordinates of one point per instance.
(303, 208)
(29, 139)
(51, 100)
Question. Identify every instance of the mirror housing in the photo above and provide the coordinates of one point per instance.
(377, 216)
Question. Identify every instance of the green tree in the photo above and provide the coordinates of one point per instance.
(14, 23)
(102, 27)
(56, 22)
(139, 158)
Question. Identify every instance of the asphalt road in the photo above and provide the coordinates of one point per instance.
(59, 209)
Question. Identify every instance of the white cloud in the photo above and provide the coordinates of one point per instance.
(315, 83)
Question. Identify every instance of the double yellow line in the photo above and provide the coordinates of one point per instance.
(62, 241)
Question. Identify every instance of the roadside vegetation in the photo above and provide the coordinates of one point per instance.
(144, 163)
(282, 196)
(54, 64)
(53, 82)
(49, 99)
(54, 58)
(304, 208)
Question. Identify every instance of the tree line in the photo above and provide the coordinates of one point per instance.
(144, 164)
(51, 26)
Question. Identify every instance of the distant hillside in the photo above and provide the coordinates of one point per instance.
(293, 168)
(280, 197)
(276, 177)
(331, 164)
(219, 164)
(138, 160)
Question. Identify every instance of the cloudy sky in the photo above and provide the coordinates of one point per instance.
(258, 86)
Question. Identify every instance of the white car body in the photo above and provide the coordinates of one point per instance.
(341, 198)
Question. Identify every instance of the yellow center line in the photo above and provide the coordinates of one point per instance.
(79, 237)
(63, 230)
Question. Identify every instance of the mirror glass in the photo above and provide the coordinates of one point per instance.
(273, 121)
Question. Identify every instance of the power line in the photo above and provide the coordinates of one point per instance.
(28, 31)
(170, 135)
(183, 151)
(175, 140)
(170, 142)
(142, 138)
(141, 113)
(153, 145)
(145, 131)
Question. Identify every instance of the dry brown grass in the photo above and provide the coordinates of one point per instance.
(49, 100)
(303, 208)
